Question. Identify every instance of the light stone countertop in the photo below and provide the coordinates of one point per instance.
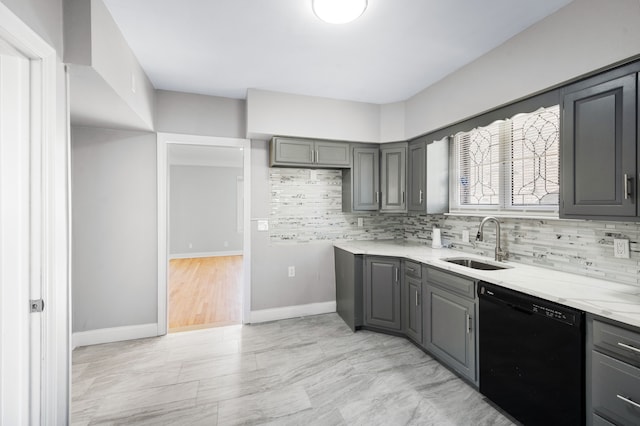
(616, 301)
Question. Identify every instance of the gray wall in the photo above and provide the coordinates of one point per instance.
(114, 228)
(43, 16)
(584, 36)
(271, 287)
(200, 115)
(203, 209)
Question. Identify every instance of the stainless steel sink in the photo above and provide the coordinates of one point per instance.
(476, 264)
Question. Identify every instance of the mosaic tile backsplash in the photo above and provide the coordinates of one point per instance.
(306, 206)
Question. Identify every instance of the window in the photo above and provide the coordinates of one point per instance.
(508, 166)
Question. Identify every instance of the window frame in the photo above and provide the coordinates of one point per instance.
(505, 206)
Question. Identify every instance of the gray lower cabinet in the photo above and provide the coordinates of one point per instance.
(412, 301)
(393, 178)
(309, 153)
(599, 143)
(382, 293)
(449, 322)
(361, 183)
(613, 373)
(428, 176)
(349, 269)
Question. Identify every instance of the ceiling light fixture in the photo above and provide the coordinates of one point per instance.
(338, 11)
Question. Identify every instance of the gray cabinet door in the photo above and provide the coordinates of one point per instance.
(293, 151)
(615, 389)
(599, 150)
(449, 330)
(382, 293)
(349, 287)
(416, 177)
(332, 154)
(365, 179)
(412, 308)
(393, 178)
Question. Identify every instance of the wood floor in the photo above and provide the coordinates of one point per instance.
(204, 292)
(304, 371)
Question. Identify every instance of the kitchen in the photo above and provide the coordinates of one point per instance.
(479, 86)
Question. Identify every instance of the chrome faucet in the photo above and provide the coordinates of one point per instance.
(500, 254)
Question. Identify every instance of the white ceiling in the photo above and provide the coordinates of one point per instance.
(396, 48)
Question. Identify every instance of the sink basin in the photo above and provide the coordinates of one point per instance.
(476, 264)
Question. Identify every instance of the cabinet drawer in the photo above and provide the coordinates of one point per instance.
(616, 390)
(413, 269)
(455, 283)
(623, 343)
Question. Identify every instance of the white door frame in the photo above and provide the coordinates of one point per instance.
(48, 228)
(164, 139)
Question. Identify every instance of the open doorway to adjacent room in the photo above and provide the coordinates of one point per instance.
(205, 224)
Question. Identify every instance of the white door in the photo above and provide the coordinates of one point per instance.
(19, 266)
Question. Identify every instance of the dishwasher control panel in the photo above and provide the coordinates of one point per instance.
(553, 313)
(527, 303)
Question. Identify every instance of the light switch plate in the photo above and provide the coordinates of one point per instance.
(263, 225)
(465, 235)
(360, 222)
(621, 248)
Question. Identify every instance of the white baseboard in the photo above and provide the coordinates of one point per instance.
(287, 312)
(206, 254)
(115, 334)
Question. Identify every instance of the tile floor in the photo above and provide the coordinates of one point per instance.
(304, 371)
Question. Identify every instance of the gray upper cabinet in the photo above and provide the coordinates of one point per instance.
(428, 176)
(309, 153)
(599, 157)
(332, 154)
(393, 177)
(360, 184)
(382, 293)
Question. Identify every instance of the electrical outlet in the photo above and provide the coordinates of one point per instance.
(226, 243)
(465, 235)
(292, 271)
(190, 245)
(360, 222)
(263, 225)
(621, 248)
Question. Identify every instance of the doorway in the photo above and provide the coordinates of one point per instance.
(205, 236)
(203, 215)
(33, 247)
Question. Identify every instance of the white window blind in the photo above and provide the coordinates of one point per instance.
(508, 166)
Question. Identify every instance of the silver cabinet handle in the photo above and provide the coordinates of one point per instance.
(420, 196)
(631, 348)
(377, 197)
(402, 197)
(396, 272)
(313, 156)
(626, 186)
(317, 157)
(468, 324)
(417, 303)
(628, 401)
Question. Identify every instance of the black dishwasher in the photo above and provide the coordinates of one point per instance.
(531, 357)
